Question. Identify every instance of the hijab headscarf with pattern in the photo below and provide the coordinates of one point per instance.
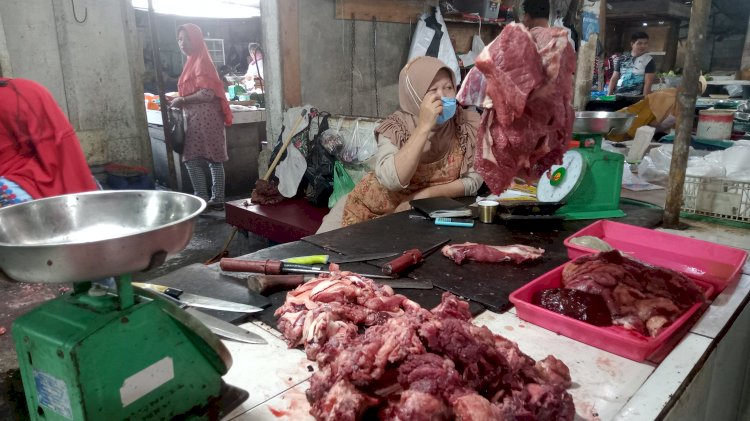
(413, 82)
(199, 71)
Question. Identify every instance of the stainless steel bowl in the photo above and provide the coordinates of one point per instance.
(90, 236)
(602, 122)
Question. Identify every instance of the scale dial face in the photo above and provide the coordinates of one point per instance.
(561, 180)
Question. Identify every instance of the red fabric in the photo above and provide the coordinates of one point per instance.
(38, 148)
(200, 73)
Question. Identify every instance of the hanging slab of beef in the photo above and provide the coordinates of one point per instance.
(524, 80)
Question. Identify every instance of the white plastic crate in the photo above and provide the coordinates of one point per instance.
(717, 198)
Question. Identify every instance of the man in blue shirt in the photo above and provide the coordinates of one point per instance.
(634, 71)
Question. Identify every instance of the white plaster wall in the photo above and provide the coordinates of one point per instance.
(89, 67)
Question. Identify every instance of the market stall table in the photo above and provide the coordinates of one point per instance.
(605, 385)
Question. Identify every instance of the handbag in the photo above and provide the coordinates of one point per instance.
(176, 127)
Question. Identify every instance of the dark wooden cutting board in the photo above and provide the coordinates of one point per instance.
(487, 284)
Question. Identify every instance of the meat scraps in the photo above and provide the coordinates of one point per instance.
(639, 296)
(583, 306)
(330, 308)
(524, 79)
(515, 253)
(413, 364)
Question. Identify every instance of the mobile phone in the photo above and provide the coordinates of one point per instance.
(455, 222)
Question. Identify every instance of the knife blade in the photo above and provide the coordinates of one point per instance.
(216, 326)
(361, 257)
(225, 329)
(200, 300)
(405, 283)
(324, 259)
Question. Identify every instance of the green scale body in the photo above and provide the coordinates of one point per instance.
(92, 356)
(598, 194)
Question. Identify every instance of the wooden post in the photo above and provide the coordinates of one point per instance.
(686, 103)
(586, 58)
(163, 104)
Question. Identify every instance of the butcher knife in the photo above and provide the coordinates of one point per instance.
(323, 259)
(199, 300)
(216, 326)
(277, 267)
(268, 284)
(225, 329)
(409, 259)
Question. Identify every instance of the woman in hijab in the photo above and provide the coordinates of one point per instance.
(40, 155)
(206, 113)
(425, 149)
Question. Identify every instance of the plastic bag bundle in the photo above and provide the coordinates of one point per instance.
(332, 141)
(359, 145)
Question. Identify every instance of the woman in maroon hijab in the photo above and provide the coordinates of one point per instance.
(206, 112)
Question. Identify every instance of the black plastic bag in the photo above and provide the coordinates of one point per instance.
(319, 174)
(176, 127)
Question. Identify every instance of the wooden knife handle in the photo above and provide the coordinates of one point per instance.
(402, 263)
(268, 267)
(268, 284)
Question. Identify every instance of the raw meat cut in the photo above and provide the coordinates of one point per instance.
(516, 253)
(414, 364)
(583, 306)
(332, 307)
(524, 80)
(639, 296)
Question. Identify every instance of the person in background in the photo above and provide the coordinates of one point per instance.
(536, 14)
(40, 155)
(425, 149)
(206, 113)
(634, 72)
(254, 75)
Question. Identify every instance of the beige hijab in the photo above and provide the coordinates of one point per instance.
(413, 82)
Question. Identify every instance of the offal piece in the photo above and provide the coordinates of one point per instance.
(591, 242)
(640, 297)
(583, 306)
(486, 253)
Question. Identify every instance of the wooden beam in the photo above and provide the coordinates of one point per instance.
(289, 34)
(686, 103)
(648, 9)
(399, 11)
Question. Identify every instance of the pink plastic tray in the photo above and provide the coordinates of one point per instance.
(615, 339)
(702, 260)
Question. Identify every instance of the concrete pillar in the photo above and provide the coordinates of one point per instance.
(746, 51)
(5, 67)
(272, 62)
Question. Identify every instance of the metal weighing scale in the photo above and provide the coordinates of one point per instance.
(589, 179)
(93, 354)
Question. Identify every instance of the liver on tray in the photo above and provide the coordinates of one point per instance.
(617, 340)
(700, 260)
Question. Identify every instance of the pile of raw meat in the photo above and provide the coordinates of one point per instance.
(524, 80)
(382, 355)
(516, 253)
(639, 296)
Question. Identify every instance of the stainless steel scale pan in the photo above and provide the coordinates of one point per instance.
(91, 236)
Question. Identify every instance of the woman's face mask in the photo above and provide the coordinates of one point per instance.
(449, 109)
